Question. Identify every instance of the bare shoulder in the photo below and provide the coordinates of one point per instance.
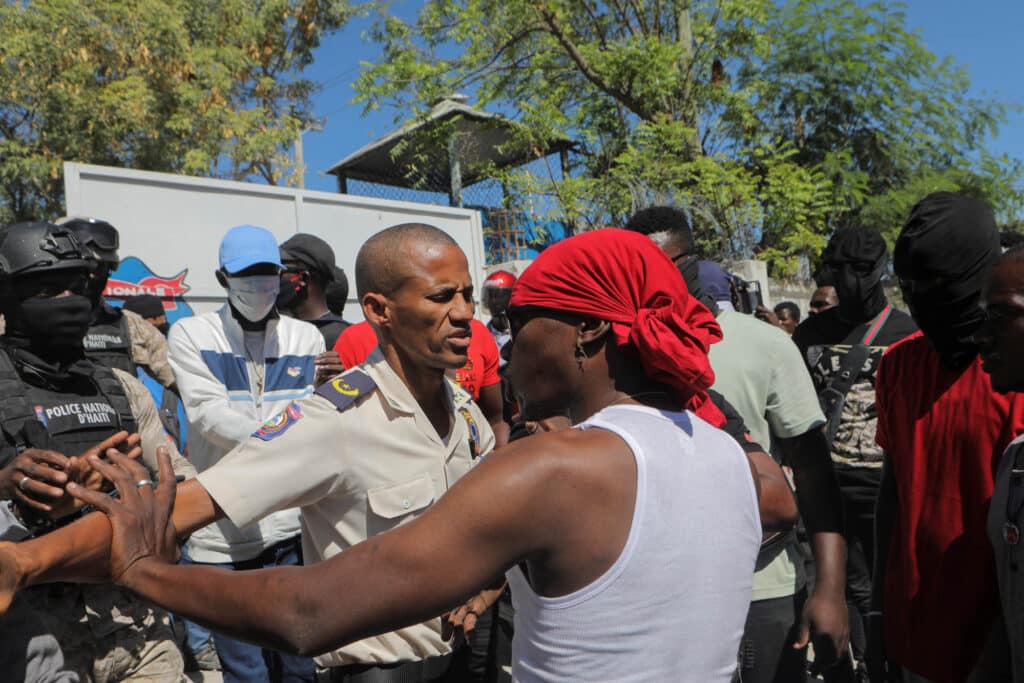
(568, 448)
(559, 465)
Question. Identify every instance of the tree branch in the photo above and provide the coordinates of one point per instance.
(587, 70)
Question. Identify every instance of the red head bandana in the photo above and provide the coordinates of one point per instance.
(622, 277)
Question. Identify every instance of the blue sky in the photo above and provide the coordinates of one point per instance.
(984, 36)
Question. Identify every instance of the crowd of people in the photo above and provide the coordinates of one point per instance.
(619, 477)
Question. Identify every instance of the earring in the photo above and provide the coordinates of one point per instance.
(581, 355)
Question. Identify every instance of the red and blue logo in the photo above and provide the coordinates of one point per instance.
(279, 424)
(133, 277)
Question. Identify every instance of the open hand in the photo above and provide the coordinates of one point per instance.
(36, 478)
(141, 520)
(81, 472)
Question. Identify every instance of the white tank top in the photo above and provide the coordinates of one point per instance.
(672, 606)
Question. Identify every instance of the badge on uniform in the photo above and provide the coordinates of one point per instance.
(279, 424)
(1011, 533)
(474, 433)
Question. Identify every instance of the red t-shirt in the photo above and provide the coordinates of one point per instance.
(480, 370)
(944, 433)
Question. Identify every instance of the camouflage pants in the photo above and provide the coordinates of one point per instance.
(108, 634)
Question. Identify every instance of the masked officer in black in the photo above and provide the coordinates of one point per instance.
(842, 347)
(56, 403)
(116, 338)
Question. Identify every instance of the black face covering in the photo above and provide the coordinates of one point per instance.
(164, 328)
(856, 260)
(943, 256)
(97, 283)
(291, 295)
(53, 328)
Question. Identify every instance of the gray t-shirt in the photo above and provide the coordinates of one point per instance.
(760, 372)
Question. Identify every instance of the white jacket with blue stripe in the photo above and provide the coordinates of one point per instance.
(224, 403)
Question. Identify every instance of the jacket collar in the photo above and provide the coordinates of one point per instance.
(236, 335)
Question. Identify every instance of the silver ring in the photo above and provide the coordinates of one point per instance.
(21, 484)
(144, 482)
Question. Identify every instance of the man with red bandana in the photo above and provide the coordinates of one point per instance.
(594, 525)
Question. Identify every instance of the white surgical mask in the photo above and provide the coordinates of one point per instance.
(253, 296)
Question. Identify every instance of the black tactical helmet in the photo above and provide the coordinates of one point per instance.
(40, 247)
(99, 237)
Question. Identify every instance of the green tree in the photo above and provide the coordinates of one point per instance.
(773, 123)
(206, 87)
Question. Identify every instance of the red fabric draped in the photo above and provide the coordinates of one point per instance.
(622, 277)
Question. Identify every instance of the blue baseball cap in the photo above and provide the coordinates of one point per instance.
(247, 245)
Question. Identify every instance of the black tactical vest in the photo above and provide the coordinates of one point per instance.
(108, 342)
(93, 407)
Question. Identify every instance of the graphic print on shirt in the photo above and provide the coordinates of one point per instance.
(855, 439)
(467, 378)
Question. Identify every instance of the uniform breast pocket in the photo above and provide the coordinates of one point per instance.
(390, 504)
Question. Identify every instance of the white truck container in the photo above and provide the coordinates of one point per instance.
(171, 227)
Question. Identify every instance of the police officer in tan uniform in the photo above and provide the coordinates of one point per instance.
(56, 403)
(372, 449)
(401, 433)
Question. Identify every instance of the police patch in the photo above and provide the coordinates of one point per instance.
(474, 433)
(279, 424)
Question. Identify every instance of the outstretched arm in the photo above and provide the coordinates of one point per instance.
(502, 512)
(80, 552)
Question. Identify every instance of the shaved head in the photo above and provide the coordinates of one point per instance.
(382, 264)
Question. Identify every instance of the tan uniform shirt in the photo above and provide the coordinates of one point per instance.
(354, 473)
(150, 428)
(149, 348)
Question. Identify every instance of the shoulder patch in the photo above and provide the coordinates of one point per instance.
(344, 389)
(280, 423)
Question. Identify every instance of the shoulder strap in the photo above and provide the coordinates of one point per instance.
(876, 325)
(834, 395)
(112, 390)
(344, 389)
(14, 407)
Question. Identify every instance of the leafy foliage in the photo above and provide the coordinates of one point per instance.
(773, 123)
(193, 86)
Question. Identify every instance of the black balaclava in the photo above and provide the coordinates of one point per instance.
(97, 283)
(53, 328)
(856, 260)
(947, 247)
